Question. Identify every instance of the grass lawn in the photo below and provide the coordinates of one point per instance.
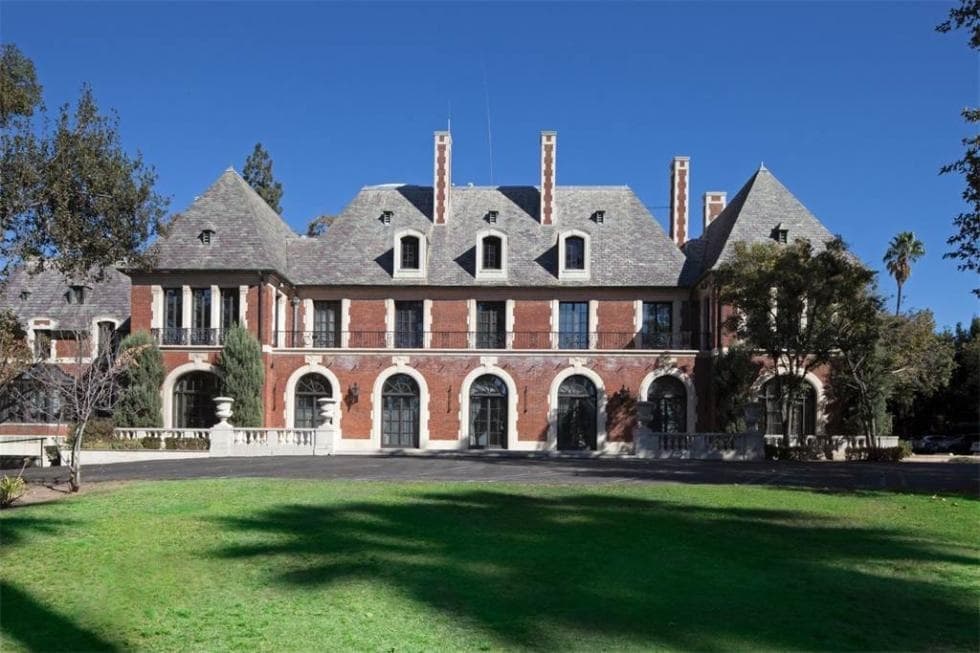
(295, 565)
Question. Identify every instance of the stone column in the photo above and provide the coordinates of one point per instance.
(222, 433)
(326, 436)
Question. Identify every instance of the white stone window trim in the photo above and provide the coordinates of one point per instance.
(289, 394)
(491, 274)
(409, 273)
(33, 327)
(811, 378)
(400, 367)
(464, 404)
(692, 397)
(167, 389)
(592, 328)
(574, 275)
(94, 331)
(577, 369)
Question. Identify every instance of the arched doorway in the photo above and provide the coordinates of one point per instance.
(194, 395)
(669, 398)
(400, 412)
(577, 405)
(306, 408)
(488, 413)
(802, 414)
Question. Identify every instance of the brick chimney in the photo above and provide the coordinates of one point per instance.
(442, 182)
(680, 179)
(714, 203)
(549, 145)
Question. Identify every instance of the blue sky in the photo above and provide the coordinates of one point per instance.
(853, 106)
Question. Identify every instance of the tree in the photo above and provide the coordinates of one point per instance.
(789, 304)
(258, 173)
(319, 225)
(733, 374)
(71, 196)
(86, 388)
(242, 376)
(966, 240)
(20, 92)
(15, 355)
(903, 250)
(139, 403)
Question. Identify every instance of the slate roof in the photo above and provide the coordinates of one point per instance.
(628, 249)
(760, 206)
(46, 298)
(249, 235)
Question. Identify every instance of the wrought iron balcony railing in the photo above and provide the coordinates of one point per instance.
(195, 337)
(514, 340)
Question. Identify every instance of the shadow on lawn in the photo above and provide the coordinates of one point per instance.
(13, 528)
(37, 628)
(543, 572)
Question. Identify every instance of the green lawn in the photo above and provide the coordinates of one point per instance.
(295, 565)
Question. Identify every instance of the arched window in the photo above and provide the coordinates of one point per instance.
(574, 253)
(400, 412)
(309, 390)
(410, 253)
(669, 398)
(492, 253)
(488, 413)
(577, 406)
(108, 340)
(802, 414)
(194, 395)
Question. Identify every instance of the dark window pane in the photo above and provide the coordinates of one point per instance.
(657, 324)
(410, 253)
(490, 325)
(326, 324)
(229, 308)
(492, 253)
(573, 325)
(574, 253)
(408, 324)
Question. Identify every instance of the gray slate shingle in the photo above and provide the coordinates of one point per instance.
(107, 298)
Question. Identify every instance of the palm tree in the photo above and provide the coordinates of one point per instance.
(904, 250)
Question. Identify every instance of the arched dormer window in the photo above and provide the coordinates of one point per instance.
(491, 254)
(573, 255)
(206, 236)
(409, 253)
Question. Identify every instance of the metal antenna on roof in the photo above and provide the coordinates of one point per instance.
(486, 94)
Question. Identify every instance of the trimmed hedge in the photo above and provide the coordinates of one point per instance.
(881, 454)
(187, 444)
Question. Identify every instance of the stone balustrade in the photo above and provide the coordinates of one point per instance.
(700, 446)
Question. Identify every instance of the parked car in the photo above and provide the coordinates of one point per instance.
(928, 444)
(975, 448)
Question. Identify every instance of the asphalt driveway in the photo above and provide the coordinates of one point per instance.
(946, 478)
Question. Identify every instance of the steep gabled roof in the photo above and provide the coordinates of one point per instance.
(763, 204)
(628, 249)
(248, 234)
(43, 294)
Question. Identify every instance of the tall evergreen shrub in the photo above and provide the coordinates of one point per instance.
(242, 376)
(138, 405)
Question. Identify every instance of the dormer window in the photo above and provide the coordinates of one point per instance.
(386, 217)
(491, 254)
(492, 217)
(600, 217)
(206, 236)
(25, 295)
(780, 235)
(409, 254)
(75, 295)
(574, 255)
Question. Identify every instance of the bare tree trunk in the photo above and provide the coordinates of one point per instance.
(75, 469)
(898, 300)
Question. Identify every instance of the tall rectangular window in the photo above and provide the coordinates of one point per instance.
(573, 325)
(408, 325)
(491, 324)
(326, 324)
(42, 345)
(658, 324)
(229, 308)
(173, 316)
(201, 316)
(107, 337)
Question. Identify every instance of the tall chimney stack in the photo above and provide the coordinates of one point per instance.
(714, 203)
(680, 172)
(442, 176)
(549, 144)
